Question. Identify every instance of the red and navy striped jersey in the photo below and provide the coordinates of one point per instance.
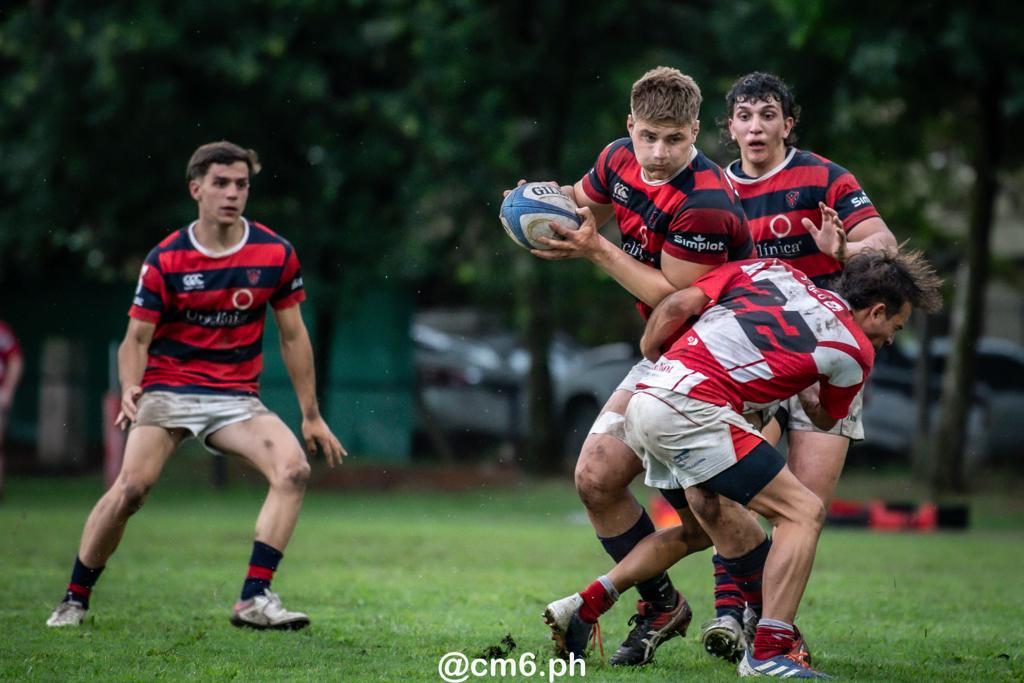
(767, 333)
(776, 202)
(210, 309)
(9, 348)
(693, 216)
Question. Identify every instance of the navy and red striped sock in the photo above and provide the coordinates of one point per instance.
(598, 598)
(82, 580)
(262, 566)
(746, 571)
(773, 638)
(728, 599)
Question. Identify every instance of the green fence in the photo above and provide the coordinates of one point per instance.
(367, 400)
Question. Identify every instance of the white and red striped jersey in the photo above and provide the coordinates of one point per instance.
(767, 333)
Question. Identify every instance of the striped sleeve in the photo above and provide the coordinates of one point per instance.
(595, 182)
(845, 195)
(151, 291)
(290, 289)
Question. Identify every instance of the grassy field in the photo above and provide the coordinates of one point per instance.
(394, 581)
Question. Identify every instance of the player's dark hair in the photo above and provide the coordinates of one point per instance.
(759, 86)
(890, 277)
(222, 152)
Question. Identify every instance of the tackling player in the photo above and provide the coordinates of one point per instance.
(765, 333)
(189, 366)
(678, 219)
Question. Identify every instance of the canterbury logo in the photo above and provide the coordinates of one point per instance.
(193, 281)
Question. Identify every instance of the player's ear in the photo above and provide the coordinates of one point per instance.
(630, 122)
(193, 189)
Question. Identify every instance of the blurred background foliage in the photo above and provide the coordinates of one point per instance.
(388, 129)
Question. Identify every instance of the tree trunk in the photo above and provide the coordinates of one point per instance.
(969, 301)
(543, 155)
(921, 456)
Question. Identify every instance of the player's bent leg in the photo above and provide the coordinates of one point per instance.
(817, 459)
(798, 516)
(271, 447)
(604, 470)
(146, 451)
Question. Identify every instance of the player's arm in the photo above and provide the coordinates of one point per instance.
(810, 401)
(871, 233)
(131, 365)
(669, 315)
(15, 366)
(297, 352)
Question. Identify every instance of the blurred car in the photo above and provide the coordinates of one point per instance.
(476, 384)
(890, 410)
(999, 378)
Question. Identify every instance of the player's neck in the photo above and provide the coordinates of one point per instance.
(218, 237)
(760, 167)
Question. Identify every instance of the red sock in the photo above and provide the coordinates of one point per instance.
(773, 640)
(596, 601)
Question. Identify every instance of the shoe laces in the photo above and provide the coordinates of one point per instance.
(595, 635)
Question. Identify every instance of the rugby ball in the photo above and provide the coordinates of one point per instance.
(528, 210)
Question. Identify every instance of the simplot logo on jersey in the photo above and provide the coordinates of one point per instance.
(860, 199)
(193, 281)
(621, 192)
(242, 299)
(698, 243)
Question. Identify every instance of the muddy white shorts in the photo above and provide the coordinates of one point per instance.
(683, 442)
(851, 426)
(200, 414)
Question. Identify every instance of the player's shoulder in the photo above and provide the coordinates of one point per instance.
(618, 151)
(806, 158)
(261, 234)
(177, 239)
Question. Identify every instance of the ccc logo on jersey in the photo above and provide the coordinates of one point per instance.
(193, 281)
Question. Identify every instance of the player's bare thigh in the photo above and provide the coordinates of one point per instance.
(606, 463)
(146, 451)
(268, 444)
(817, 460)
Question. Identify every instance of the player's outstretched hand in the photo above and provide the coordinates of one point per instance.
(830, 237)
(129, 407)
(584, 242)
(317, 434)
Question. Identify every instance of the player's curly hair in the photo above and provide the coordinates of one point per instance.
(665, 94)
(759, 86)
(892, 277)
(222, 152)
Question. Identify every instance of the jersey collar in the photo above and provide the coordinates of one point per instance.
(736, 174)
(218, 254)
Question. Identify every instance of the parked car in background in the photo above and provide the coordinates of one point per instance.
(999, 378)
(890, 409)
(476, 384)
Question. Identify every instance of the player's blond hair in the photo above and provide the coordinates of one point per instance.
(664, 94)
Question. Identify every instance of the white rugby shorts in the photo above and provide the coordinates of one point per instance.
(851, 426)
(200, 414)
(682, 441)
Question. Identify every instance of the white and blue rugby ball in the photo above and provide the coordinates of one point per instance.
(528, 210)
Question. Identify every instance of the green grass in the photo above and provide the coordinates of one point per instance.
(392, 581)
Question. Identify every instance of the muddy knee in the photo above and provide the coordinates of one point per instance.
(133, 495)
(293, 475)
(601, 477)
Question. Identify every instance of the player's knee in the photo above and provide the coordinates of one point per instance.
(596, 484)
(133, 496)
(294, 475)
(811, 511)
